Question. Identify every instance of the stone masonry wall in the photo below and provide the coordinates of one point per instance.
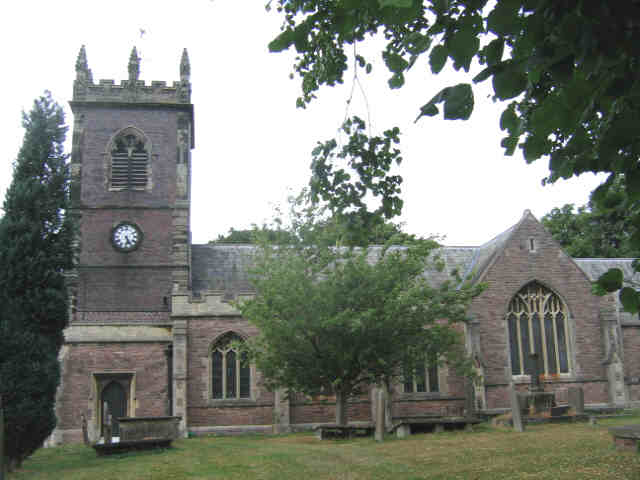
(204, 411)
(548, 264)
(146, 361)
(631, 339)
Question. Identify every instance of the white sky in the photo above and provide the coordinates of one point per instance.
(252, 145)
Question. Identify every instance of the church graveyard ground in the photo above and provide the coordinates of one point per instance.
(550, 451)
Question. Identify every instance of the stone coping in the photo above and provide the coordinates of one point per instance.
(146, 419)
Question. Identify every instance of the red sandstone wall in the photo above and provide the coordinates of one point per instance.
(549, 265)
(203, 411)
(631, 345)
(146, 360)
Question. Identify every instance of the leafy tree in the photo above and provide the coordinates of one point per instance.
(338, 318)
(596, 230)
(568, 67)
(335, 228)
(35, 250)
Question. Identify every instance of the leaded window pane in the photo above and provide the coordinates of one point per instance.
(216, 374)
(231, 374)
(552, 366)
(562, 344)
(245, 377)
(536, 322)
(516, 368)
(434, 385)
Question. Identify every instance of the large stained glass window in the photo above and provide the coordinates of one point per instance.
(537, 320)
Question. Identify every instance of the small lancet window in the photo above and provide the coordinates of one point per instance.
(230, 371)
(129, 163)
(532, 244)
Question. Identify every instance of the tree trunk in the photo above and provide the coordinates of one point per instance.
(341, 408)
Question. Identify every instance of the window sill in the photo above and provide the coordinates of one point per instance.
(232, 402)
(560, 377)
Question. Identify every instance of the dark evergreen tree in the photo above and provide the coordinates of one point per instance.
(36, 234)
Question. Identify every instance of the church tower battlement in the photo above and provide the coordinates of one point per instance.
(132, 90)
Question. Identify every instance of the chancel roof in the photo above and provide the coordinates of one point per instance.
(224, 267)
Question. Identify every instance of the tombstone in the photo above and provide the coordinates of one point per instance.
(516, 411)
(85, 433)
(576, 399)
(380, 414)
(535, 385)
(469, 399)
(106, 424)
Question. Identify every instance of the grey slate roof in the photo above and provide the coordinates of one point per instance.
(223, 267)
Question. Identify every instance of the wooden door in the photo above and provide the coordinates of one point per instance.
(115, 397)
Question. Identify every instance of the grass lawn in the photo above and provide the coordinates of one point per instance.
(567, 451)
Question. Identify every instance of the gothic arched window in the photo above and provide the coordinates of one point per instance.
(230, 372)
(129, 161)
(538, 323)
(423, 379)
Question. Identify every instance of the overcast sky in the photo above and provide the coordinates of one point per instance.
(252, 144)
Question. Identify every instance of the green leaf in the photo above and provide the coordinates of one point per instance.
(462, 46)
(611, 280)
(509, 120)
(503, 19)
(458, 102)
(630, 300)
(534, 147)
(509, 144)
(438, 58)
(282, 41)
(484, 74)
(493, 51)
(396, 81)
(395, 3)
(509, 83)
(394, 62)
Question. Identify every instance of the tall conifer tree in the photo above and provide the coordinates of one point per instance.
(36, 235)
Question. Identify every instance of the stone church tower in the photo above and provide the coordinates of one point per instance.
(130, 175)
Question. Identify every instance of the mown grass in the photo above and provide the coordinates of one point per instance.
(568, 451)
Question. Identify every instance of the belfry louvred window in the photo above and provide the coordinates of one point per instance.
(129, 163)
(538, 323)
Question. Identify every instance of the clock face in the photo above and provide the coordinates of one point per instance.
(126, 237)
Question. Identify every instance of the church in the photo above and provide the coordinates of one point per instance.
(152, 326)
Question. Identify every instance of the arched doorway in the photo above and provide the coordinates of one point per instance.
(115, 397)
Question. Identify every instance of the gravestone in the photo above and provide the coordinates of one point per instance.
(85, 434)
(106, 423)
(576, 399)
(516, 410)
(469, 399)
(380, 414)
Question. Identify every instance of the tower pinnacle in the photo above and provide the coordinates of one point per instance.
(83, 73)
(185, 67)
(134, 67)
